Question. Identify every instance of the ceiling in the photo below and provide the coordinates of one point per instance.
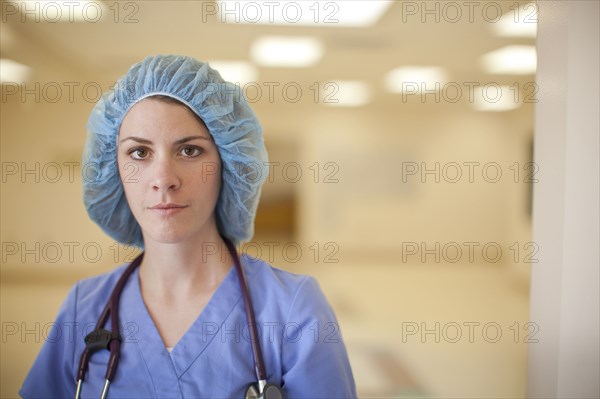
(119, 39)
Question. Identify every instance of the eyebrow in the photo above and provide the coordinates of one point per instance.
(180, 141)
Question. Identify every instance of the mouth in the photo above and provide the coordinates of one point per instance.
(167, 206)
(167, 209)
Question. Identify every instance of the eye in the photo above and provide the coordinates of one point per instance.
(140, 153)
(191, 151)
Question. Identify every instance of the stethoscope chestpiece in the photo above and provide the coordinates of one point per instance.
(270, 391)
(100, 339)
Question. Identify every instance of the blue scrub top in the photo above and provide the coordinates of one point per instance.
(299, 337)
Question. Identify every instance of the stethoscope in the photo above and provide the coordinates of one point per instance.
(111, 340)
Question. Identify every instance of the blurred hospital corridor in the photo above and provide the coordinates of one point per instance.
(433, 164)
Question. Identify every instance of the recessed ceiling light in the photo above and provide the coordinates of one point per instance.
(511, 60)
(235, 71)
(359, 13)
(519, 22)
(494, 98)
(346, 93)
(414, 79)
(284, 51)
(13, 71)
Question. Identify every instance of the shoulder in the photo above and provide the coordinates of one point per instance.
(88, 296)
(311, 346)
(91, 286)
(293, 293)
(276, 278)
(53, 372)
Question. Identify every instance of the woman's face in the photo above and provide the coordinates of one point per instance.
(167, 158)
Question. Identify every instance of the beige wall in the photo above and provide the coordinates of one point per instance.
(366, 215)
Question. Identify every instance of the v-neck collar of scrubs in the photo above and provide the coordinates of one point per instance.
(192, 344)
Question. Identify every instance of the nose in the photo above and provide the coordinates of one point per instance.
(164, 176)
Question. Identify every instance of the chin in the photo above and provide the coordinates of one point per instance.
(168, 238)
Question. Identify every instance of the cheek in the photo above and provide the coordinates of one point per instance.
(130, 173)
(210, 173)
(121, 168)
(205, 180)
(129, 178)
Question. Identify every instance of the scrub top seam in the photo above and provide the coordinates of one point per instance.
(189, 366)
(302, 283)
(74, 345)
(293, 302)
(140, 353)
(135, 277)
(224, 319)
(172, 362)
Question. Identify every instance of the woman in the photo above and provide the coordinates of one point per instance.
(179, 162)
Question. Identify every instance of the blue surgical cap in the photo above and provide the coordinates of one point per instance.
(229, 119)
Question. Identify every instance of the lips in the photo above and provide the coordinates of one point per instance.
(167, 209)
(167, 206)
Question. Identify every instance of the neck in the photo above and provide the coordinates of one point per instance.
(186, 269)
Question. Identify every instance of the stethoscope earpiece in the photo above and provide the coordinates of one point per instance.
(270, 391)
(252, 392)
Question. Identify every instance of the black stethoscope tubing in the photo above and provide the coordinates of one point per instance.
(111, 340)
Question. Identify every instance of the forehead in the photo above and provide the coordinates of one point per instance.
(162, 113)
